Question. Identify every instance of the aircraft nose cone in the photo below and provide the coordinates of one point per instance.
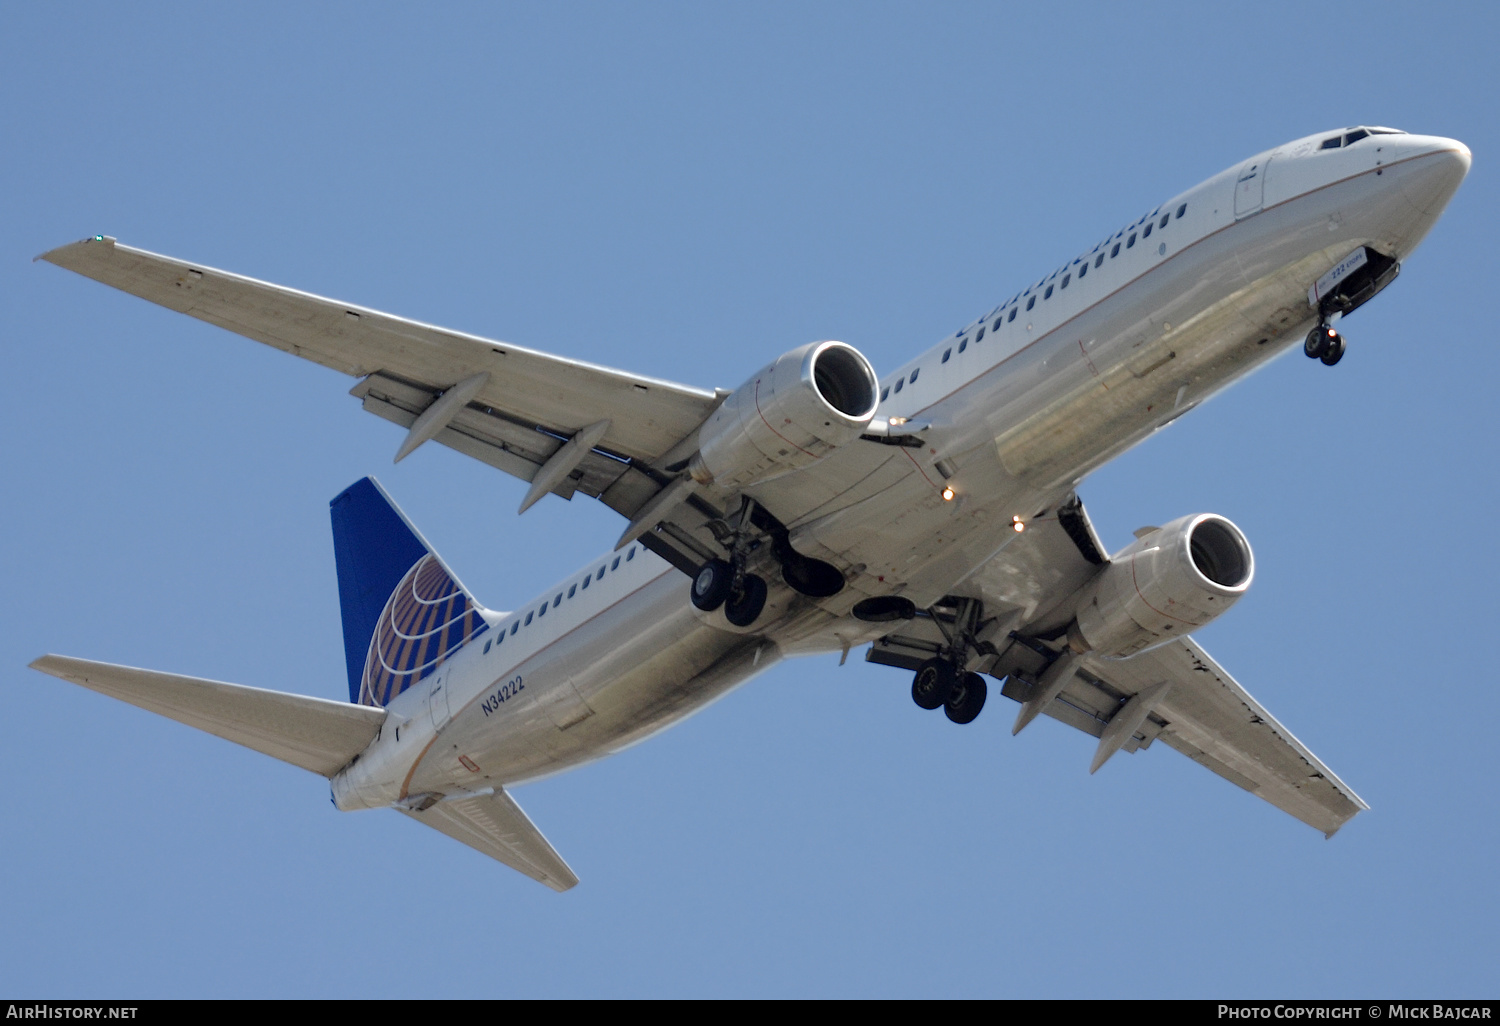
(1436, 175)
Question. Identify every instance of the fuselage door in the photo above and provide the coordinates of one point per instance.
(1250, 188)
(437, 701)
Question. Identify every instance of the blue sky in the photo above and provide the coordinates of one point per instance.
(685, 190)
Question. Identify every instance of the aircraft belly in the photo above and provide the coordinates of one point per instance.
(638, 668)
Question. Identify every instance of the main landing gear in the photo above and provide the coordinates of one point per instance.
(940, 681)
(743, 595)
(726, 582)
(1324, 343)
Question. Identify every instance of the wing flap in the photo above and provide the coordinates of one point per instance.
(648, 416)
(495, 825)
(314, 733)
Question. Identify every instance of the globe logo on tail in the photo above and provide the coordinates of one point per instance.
(427, 618)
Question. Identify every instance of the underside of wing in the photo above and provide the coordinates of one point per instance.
(1206, 715)
(495, 825)
(313, 733)
(530, 402)
(1016, 610)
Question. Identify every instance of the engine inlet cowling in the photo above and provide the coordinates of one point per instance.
(1165, 585)
(788, 416)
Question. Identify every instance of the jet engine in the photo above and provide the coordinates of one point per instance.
(788, 416)
(1167, 584)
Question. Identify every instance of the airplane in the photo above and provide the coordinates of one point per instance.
(931, 515)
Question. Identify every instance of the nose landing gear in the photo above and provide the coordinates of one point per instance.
(1324, 343)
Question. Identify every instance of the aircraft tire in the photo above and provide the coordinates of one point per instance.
(967, 698)
(933, 683)
(1317, 342)
(1334, 352)
(745, 608)
(711, 585)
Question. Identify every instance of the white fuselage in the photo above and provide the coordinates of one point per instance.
(1022, 403)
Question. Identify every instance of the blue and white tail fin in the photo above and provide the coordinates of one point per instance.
(404, 611)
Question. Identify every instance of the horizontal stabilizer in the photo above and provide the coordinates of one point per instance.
(495, 825)
(313, 733)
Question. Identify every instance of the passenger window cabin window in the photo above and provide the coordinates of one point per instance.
(1164, 219)
(996, 325)
(1147, 233)
(979, 337)
(616, 564)
(1048, 294)
(572, 591)
(947, 353)
(1066, 278)
(517, 625)
(1130, 241)
(1031, 302)
(899, 383)
(500, 638)
(885, 393)
(486, 646)
(1084, 269)
(1098, 260)
(1181, 210)
(543, 610)
(528, 619)
(1012, 315)
(961, 347)
(630, 554)
(914, 375)
(1114, 252)
(586, 582)
(600, 575)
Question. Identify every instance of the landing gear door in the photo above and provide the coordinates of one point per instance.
(1250, 187)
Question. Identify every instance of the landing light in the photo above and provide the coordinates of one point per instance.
(1018, 524)
(947, 494)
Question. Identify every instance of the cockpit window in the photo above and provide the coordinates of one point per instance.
(1354, 135)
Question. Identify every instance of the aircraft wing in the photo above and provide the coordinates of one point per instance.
(510, 407)
(1176, 693)
(495, 825)
(1206, 715)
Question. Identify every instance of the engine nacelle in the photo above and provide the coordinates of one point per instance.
(788, 416)
(1166, 585)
